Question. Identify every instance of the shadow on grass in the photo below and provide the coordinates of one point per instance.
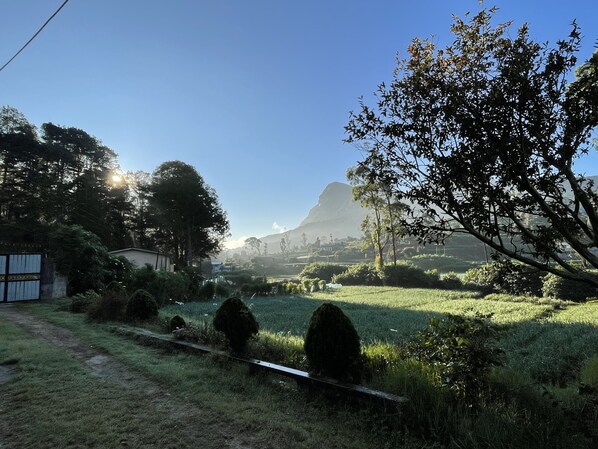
(547, 351)
(291, 314)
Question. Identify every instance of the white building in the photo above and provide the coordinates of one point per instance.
(139, 257)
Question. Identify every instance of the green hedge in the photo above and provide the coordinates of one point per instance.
(561, 288)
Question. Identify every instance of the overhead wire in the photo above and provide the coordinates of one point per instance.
(35, 35)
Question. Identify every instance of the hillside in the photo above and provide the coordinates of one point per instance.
(335, 213)
(338, 214)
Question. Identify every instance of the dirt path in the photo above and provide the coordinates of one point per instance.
(100, 364)
(106, 367)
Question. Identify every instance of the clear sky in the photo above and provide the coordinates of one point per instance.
(252, 93)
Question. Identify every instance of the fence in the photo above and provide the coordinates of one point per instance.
(20, 277)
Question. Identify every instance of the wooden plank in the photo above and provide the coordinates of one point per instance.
(298, 375)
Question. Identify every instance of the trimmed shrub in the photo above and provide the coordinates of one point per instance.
(110, 307)
(176, 322)
(408, 276)
(504, 276)
(359, 274)
(237, 322)
(561, 288)
(258, 289)
(322, 270)
(206, 291)
(293, 288)
(332, 344)
(141, 306)
(240, 277)
(81, 302)
(221, 290)
(451, 281)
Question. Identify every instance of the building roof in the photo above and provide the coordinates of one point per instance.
(140, 250)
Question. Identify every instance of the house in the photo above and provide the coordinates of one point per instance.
(140, 257)
(219, 267)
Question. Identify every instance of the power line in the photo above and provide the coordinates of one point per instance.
(35, 35)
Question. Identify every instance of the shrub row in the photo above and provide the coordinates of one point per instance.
(402, 274)
(517, 279)
(332, 345)
(115, 304)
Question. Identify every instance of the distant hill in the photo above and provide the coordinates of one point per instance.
(336, 213)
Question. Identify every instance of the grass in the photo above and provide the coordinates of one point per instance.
(54, 401)
(546, 340)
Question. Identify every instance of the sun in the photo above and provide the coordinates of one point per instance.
(116, 179)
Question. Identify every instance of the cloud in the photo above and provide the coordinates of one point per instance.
(278, 228)
(233, 243)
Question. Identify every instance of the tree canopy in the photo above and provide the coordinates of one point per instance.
(64, 176)
(188, 218)
(481, 137)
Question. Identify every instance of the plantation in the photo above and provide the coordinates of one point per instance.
(544, 340)
(498, 365)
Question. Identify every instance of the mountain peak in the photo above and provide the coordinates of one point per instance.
(336, 201)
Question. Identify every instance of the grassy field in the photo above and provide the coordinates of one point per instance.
(547, 340)
(55, 401)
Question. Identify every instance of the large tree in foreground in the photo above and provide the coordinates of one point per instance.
(481, 137)
(189, 222)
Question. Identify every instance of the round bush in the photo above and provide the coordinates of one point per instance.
(81, 302)
(237, 322)
(332, 344)
(408, 276)
(207, 291)
(359, 274)
(176, 322)
(504, 276)
(451, 281)
(561, 288)
(321, 270)
(221, 290)
(110, 307)
(141, 306)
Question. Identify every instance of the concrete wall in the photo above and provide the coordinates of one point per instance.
(52, 285)
(140, 258)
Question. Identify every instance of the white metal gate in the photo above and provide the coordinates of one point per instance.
(20, 277)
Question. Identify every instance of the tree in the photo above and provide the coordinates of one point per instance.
(481, 135)
(255, 244)
(188, 219)
(80, 256)
(380, 226)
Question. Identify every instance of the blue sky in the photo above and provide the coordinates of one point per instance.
(254, 94)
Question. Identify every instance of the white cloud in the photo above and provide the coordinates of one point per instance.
(233, 243)
(278, 228)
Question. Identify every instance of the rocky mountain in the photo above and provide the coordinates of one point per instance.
(336, 213)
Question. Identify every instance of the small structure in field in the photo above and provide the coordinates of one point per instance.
(140, 257)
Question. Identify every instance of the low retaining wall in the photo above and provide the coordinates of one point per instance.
(301, 377)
